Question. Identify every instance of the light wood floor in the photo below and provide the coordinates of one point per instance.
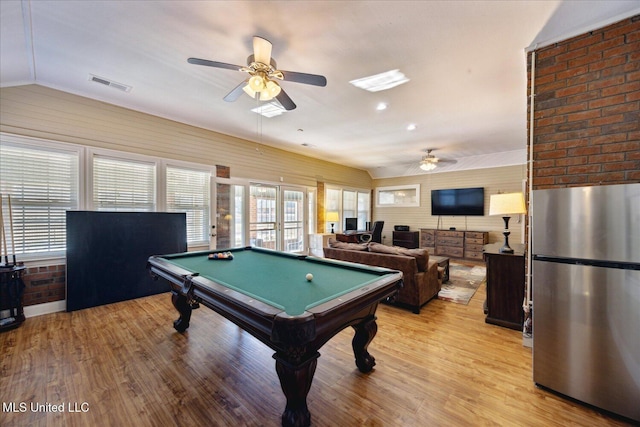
(444, 367)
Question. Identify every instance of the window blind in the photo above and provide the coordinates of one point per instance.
(188, 191)
(43, 184)
(123, 185)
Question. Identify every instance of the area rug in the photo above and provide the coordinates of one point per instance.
(464, 281)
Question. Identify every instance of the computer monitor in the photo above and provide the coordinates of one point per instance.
(350, 224)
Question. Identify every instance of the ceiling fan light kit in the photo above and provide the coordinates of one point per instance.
(262, 69)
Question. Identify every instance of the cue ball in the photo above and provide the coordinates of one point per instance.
(309, 277)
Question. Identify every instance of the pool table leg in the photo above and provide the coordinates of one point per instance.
(182, 305)
(365, 331)
(295, 380)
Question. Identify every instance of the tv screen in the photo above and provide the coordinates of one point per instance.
(458, 201)
(351, 223)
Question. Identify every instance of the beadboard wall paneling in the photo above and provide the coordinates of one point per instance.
(42, 112)
(506, 179)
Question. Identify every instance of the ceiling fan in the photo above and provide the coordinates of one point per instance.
(430, 162)
(263, 72)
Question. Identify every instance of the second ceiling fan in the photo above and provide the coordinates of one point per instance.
(263, 75)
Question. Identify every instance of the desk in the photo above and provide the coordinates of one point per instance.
(355, 237)
(265, 293)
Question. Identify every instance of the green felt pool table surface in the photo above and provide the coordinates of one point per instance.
(278, 279)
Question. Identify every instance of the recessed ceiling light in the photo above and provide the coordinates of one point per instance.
(382, 106)
(412, 126)
(382, 81)
(269, 110)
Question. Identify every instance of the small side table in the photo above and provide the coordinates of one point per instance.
(443, 262)
(11, 290)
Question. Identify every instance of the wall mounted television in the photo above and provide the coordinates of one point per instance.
(458, 202)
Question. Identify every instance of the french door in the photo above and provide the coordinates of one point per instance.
(262, 215)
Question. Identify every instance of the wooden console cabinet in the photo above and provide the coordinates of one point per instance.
(505, 286)
(406, 239)
(454, 243)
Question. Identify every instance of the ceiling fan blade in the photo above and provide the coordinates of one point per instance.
(215, 64)
(236, 92)
(262, 50)
(308, 79)
(285, 101)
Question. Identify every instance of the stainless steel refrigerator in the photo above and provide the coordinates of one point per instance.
(586, 294)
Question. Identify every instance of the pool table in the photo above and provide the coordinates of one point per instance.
(266, 293)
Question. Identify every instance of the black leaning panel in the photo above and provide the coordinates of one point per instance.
(107, 254)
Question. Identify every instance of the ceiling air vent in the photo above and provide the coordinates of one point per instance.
(110, 83)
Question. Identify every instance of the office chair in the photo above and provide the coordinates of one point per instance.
(375, 235)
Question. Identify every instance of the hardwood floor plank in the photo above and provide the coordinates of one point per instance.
(443, 367)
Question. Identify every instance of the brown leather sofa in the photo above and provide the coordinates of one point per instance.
(422, 278)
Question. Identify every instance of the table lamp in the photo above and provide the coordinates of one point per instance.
(332, 218)
(505, 205)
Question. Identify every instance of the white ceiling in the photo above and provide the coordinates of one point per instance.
(465, 61)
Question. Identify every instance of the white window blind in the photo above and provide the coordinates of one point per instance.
(123, 185)
(188, 191)
(43, 184)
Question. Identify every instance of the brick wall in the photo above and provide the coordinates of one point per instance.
(587, 108)
(44, 284)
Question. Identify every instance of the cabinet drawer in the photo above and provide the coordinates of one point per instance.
(474, 241)
(449, 241)
(473, 248)
(475, 235)
(474, 254)
(450, 251)
(449, 233)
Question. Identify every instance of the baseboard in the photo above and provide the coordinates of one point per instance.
(45, 308)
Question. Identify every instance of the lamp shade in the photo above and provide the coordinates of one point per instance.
(507, 204)
(332, 217)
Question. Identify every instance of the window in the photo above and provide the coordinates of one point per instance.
(400, 196)
(188, 191)
(123, 185)
(348, 204)
(42, 181)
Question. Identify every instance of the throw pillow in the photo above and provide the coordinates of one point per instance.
(350, 246)
(421, 255)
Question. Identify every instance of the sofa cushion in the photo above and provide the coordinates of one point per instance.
(421, 255)
(349, 246)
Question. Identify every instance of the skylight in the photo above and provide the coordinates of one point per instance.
(382, 81)
(269, 110)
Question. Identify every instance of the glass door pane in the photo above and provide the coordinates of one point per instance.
(263, 219)
(293, 219)
(229, 221)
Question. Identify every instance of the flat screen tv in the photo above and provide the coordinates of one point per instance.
(458, 202)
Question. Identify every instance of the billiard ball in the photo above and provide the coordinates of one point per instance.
(309, 277)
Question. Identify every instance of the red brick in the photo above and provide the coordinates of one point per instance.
(604, 102)
(611, 81)
(617, 118)
(583, 169)
(584, 151)
(550, 52)
(609, 177)
(557, 154)
(572, 161)
(571, 108)
(573, 90)
(625, 27)
(571, 179)
(607, 44)
(606, 158)
(621, 88)
(583, 115)
(610, 62)
(572, 143)
(621, 166)
(585, 40)
(610, 140)
(622, 50)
